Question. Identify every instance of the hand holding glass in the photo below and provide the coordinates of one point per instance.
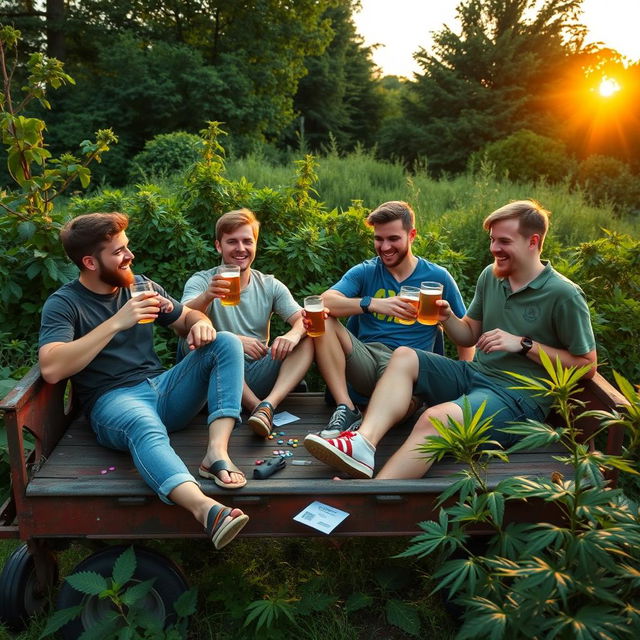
(412, 296)
(231, 273)
(137, 289)
(314, 310)
(428, 310)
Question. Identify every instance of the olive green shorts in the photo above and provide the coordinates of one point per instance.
(366, 363)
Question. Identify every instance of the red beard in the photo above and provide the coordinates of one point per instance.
(115, 277)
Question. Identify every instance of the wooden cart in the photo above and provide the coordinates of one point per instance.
(67, 487)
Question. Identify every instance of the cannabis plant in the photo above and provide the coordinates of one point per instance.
(578, 579)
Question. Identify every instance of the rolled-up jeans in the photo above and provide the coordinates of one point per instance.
(140, 418)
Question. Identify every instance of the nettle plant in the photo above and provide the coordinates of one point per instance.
(128, 613)
(580, 579)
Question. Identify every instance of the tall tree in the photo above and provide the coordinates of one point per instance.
(485, 82)
(339, 95)
(151, 66)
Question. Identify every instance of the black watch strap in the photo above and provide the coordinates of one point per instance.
(526, 343)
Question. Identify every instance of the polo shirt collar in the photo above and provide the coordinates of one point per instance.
(537, 283)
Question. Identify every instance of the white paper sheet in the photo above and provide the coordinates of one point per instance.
(321, 516)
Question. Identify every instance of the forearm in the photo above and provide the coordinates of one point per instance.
(340, 306)
(567, 359)
(460, 331)
(193, 316)
(60, 360)
(201, 302)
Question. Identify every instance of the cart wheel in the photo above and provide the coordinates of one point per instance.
(168, 586)
(20, 596)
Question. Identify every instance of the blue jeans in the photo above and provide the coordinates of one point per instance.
(140, 418)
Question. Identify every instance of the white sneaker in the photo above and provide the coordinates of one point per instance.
(343, 419)
(350, 452)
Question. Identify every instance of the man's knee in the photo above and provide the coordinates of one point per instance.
(404, 360)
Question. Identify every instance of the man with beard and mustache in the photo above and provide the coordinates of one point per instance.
(270, 371)
(94, 332)
(521, 307)
(370, 292)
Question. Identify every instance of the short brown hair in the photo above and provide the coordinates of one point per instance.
(230, 221)
(393, 210)
(87, 234)
(532, 217)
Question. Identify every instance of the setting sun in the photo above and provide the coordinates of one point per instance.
(607, 87)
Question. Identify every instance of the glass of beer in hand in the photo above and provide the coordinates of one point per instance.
(231, 273)
(428, 310)
(314, 310)
(137, 289)
(412, 296)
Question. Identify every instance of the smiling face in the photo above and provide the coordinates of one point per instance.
(392, 242)
(112, 264)
(238, 247)
(513, 253)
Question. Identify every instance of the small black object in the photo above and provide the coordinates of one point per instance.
(269, 467)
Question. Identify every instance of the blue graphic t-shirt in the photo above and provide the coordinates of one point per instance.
(371, 278)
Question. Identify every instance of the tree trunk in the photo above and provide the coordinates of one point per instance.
(55, 29)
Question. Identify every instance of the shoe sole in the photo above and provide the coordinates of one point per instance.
(327, 453)
(258, 427)
(226, 533)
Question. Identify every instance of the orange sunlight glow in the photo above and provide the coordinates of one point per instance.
(607, 87)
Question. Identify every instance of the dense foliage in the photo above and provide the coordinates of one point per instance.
(574, 580)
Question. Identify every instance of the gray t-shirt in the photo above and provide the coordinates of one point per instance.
(73, 311)
(263, 296)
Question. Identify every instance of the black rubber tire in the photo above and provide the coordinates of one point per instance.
(169, 585)
(20, 597)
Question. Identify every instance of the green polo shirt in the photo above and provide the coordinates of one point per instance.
(551, 310)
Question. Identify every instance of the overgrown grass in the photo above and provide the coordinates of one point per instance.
(250, 570)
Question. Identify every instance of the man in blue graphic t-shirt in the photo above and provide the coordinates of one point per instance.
(370, 290)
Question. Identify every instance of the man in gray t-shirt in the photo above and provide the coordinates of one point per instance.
(271, 371)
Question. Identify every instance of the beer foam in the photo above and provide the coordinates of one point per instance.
(314, 307)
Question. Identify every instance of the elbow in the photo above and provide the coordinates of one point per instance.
(49, 373)
(49, 376)
(592, 372)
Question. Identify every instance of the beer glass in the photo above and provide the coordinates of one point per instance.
(412, 296)
(428, 310)
(314, 310)
(137, 289)
(231, 273)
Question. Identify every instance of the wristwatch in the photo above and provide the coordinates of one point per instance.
(526, 343)
(364, 304)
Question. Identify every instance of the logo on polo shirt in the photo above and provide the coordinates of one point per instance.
(531, 313)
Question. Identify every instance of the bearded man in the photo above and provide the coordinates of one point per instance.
(99, 335)
(370, 291)
(521, 307)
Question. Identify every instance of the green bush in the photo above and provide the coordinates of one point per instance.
(608, 269)
(608, 180)
(165, 155)
(525, 156)
(539, 580)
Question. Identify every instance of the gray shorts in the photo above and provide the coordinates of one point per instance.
(366, 363)
(441, 379)
(260, 375)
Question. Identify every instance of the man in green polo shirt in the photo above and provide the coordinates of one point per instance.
(522, 306)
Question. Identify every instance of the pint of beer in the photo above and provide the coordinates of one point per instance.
(137, 289)
(231, 273)
(428, 310)
(314, 310)
(412, 296)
